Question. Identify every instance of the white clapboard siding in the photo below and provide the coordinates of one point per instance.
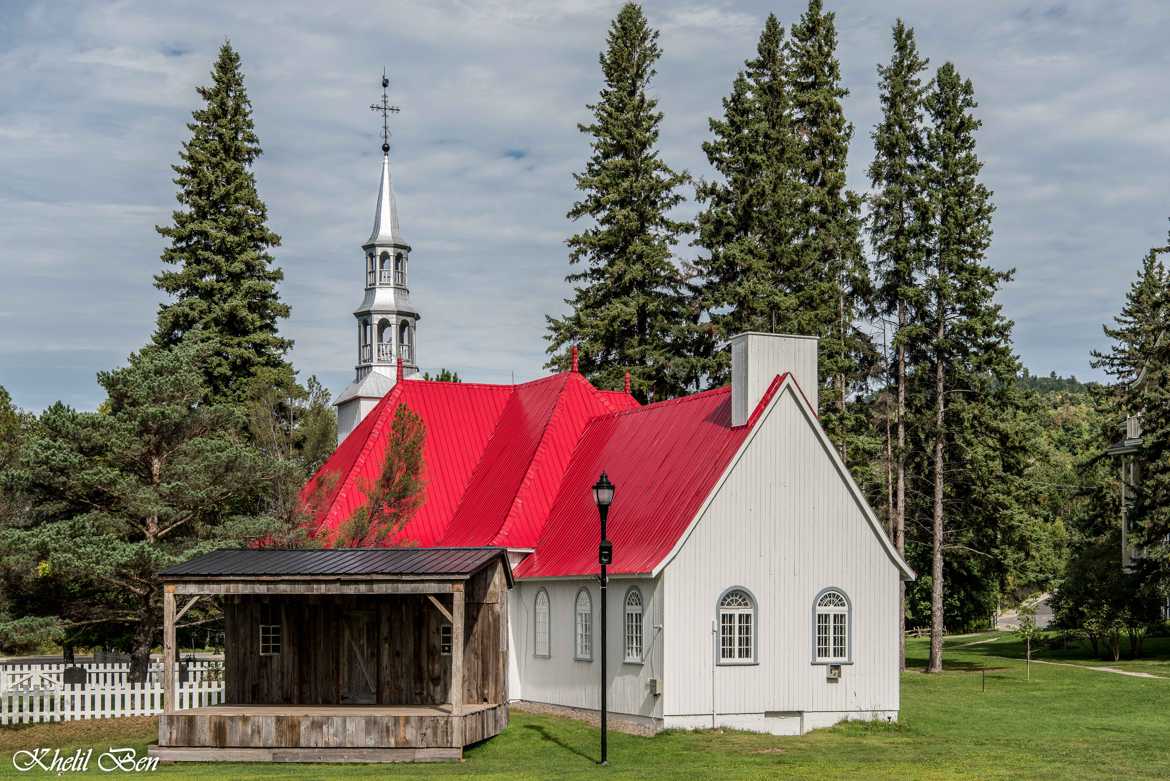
(76, 702)
(784, 526)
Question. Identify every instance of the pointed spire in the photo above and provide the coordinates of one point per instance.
(386, 230)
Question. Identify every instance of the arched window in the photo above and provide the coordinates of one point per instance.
(370, 269)
(384, 267)
(737, 627)
(583, 621)
(385, 340)
(406, 342)
(542, 645)
(632, 626)
(400, 269)
(831, 622)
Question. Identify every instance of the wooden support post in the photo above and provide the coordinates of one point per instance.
(457, 664)
(169, 649)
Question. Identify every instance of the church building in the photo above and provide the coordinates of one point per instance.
(751, 585)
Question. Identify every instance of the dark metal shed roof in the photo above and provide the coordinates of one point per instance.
(339, 562)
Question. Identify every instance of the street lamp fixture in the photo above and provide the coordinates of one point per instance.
(603, 491)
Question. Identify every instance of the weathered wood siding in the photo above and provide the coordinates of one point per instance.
(485, 639)
(316, 665)
(784, 525)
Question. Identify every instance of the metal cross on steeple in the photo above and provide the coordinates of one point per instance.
(386, 110)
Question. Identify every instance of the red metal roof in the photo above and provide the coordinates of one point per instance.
(513, 466)
(664, 459)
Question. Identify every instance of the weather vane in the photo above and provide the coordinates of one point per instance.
(386, 110)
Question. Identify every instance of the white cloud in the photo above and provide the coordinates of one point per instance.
(96, 97)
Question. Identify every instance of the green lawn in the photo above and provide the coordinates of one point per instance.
(1065, 723)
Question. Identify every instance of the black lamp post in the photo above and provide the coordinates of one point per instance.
(603, 497)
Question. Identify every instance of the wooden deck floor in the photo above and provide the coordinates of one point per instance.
(325, 733)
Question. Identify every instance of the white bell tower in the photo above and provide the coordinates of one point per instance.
(386, 321)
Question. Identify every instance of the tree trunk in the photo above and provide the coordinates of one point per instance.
(1115, 645)
(143, 641)
(67, 653)
(936, 558)
(841, 429)
(900, 490)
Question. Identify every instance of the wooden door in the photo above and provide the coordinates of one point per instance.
(359, 658)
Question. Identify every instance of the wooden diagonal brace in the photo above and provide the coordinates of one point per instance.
(190, 604)
(446, 613)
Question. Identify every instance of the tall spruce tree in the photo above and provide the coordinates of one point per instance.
(748, 278)
(899, 231)
(224, 289)
(160, 475)
(628, 311)
(1139, 363)
(966, 354)
(837, 286)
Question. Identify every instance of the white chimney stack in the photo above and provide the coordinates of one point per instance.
(757, 358)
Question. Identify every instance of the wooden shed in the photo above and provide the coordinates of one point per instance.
(351, 655)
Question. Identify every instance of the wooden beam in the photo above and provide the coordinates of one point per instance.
(303, 587)
(169, 649)
(439, 605)
(190, 604)
(457, 666)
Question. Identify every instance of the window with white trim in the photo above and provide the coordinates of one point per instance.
(832, 627)
(541, 648)
(737, 612)
(632, 626)
(269, 630)
(583, 612)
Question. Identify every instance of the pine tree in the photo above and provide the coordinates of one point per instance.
(224, 289)
(159, 475)
(899, 231)
(398, 492)
(837, 287)
(747, 279)
(1139, 363)
(966, 342)
(628, 312)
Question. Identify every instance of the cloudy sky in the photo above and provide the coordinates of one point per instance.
(94, 98)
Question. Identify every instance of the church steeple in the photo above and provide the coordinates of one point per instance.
(386, 319)
(386, 230)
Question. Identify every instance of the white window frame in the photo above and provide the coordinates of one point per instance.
(838, 619)
(633, 627)
(583, 626)
(537, 621)
(733, 617)
(270, 639)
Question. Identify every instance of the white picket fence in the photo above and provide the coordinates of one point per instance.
(42, 675)
(101, 701)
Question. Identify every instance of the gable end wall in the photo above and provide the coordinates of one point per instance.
(784, 524)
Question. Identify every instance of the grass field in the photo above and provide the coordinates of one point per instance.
(1065, 723)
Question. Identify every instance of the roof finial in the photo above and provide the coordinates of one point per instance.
(573, 359)
(385, 109)
(398, 371)
(627, 388)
